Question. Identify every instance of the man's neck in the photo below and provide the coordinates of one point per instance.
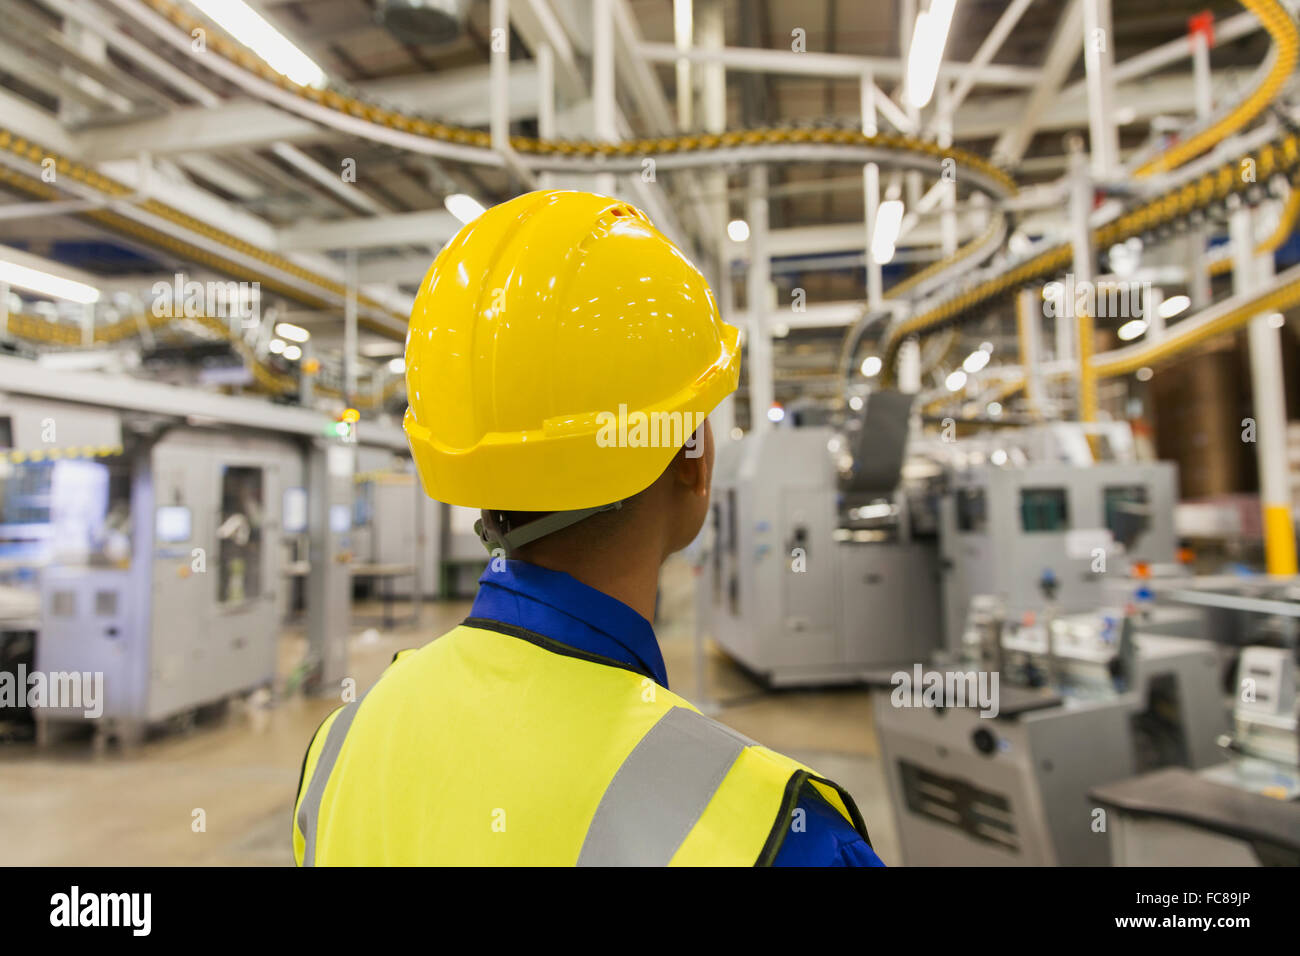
(632, 578)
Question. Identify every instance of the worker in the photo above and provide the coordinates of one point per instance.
(561, 361)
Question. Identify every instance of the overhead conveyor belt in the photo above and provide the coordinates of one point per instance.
(1280, 156)
(163, 226)
(924, 282)
(34, 328)
(1282, 29)
(354, 115)
(1223, 317)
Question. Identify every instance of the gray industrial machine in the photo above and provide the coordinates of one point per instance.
(1012, 789)
(1239, 609)
(1242, 812)
(1013, 530)
(147, 535)
(806, 584)
(191, 615)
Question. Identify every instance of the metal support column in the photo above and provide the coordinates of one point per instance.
(1198, 239)
(1099, 62)
(1030, 329)
(683, 37)
(1250, 273)
(758, 293)
(499, 75)
(545, 103)
(709, 19)
(329, 585)
(1074, 332)
(602, 84)
(948, 203)
(350, 330)
(871, 192)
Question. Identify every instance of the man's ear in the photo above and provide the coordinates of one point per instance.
(693, 463)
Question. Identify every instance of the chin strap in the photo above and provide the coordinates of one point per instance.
(496, 534)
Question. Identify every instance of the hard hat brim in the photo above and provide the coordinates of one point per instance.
(572, 463)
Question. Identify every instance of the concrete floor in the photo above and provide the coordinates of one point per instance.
(237, 774)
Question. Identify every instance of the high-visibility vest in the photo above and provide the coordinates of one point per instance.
(496, 746)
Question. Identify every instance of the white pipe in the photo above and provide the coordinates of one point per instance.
(499, 75)
(1201, 74)
(545, 54)
(1067, 345)
(1099, 62)
(350, 329)
(758, 292)
(683, 30)
(604, 103)
(988, 49)
(871, 191)
(1250, 273)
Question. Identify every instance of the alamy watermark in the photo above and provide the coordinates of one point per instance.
(71, 690)
(1101, 300)
(192, 299)
(624, 429)
(131, 911)
(922, 688)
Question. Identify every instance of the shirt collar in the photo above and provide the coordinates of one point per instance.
(559, 606)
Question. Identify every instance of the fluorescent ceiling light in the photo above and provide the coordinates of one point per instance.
(33, 280)
(956, 381)
(292, 353)
(276, 346)
(1174, 305)
(882, 510)
(976, 361)
(248, 27)
(397, 366)
(871, 366)
(775, 414)
(465, 208)
(738, 230)
(929, 36)
(683, 22)
(294, 333)
(889, 219)
(1131, 329)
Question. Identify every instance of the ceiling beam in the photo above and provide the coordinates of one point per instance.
(757, 60)
(243, 124)
(456, 96)
(1063, 52)
(432, 227)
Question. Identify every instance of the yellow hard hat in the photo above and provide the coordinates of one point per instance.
(558, 346)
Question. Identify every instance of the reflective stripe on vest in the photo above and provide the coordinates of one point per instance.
(491, 746)
(682, 762)
(660, 791)
(309, 807)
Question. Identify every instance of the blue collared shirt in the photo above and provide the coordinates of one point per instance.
(562, 608)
